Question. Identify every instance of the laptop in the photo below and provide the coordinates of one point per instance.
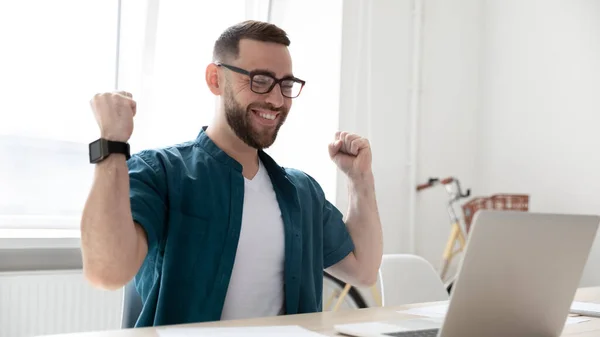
(518, 277)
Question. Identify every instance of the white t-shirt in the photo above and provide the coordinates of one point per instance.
(256, 285)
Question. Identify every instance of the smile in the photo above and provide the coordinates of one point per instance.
(267, 116)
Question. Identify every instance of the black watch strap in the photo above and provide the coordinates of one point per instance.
(118, 147)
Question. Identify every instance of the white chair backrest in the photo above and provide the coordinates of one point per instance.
(407, 279)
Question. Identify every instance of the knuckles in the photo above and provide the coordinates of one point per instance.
(107, 98)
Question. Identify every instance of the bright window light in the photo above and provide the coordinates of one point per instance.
(55, 56)
(58, 54)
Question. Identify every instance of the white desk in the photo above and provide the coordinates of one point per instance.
(323, 322)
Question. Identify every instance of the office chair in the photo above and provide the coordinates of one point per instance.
(132, 306)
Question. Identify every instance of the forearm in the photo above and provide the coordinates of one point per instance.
(364, 224)
(109, 237)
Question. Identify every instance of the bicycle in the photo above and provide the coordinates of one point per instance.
(455, 194)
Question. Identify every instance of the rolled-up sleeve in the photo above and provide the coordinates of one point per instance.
(337, 242)
(147, 192)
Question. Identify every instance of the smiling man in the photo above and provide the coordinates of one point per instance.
(214, 228)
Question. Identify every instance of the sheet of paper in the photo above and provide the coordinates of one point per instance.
(586, 308)
(266, 331)
(435, 311)
(440, 310)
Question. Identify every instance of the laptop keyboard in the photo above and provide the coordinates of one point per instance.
(420, 333)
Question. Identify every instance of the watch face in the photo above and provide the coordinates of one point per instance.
(96, 151)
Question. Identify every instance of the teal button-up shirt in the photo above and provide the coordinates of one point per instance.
(189, 200)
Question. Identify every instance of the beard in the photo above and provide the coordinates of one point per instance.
(240, 121)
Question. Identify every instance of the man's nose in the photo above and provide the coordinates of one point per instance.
(275, 97)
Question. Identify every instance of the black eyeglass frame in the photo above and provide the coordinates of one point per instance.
(276, 80)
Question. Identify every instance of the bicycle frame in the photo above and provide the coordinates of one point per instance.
(455, 194)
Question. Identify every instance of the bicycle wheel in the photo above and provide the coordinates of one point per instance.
(332, 289)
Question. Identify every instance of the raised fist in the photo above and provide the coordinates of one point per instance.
(114, 113)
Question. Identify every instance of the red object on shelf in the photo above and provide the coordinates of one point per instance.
(512, 202)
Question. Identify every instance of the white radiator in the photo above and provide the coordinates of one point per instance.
(53, 302)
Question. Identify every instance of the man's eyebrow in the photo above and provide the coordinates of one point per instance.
(266, 71)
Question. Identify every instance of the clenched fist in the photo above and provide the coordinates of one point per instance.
(351, 153)
(114, 113)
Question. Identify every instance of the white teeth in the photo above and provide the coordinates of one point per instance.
(266, 116)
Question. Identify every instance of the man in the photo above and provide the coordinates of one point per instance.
(213, 228)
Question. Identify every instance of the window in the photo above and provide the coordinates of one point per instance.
(65, 51)
(174, 101)
(54, 59)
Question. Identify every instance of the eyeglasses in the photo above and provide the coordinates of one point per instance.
(262, 82)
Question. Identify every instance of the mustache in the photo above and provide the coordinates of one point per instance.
(266, 106)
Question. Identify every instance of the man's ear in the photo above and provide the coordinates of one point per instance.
(212, 79)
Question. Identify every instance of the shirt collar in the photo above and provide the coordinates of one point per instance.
(209, 146)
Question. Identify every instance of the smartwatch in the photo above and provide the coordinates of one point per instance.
(102, 148)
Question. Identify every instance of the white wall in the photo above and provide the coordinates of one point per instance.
(510, 100)
(541, 106)
(379, 107)
(447, 129)
(374, 100)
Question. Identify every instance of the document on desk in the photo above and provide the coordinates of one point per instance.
(434, 311)
(585, 309)
(255, 331)
(439, 311)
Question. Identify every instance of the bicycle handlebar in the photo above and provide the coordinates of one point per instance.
(428, 184)
(433, 181)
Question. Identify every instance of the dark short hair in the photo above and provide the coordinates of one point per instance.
(228, 44)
